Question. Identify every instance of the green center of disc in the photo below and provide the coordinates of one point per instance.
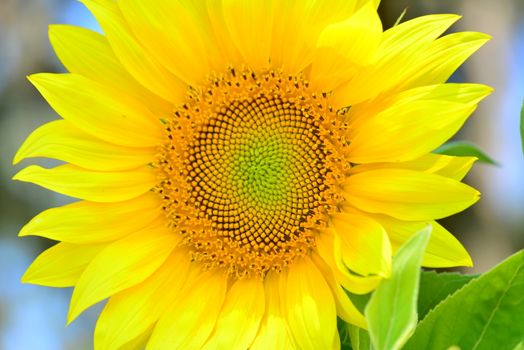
(260, 169)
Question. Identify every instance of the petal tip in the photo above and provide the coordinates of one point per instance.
(26, 230)
(25, 174)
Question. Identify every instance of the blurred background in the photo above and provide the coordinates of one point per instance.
(33, 318)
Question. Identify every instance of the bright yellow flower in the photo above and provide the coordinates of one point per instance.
(240, 163)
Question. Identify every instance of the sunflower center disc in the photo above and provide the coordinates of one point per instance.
(247, 172)
(258, 172)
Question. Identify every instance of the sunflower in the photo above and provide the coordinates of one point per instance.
(241, 164)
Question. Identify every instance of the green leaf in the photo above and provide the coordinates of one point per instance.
(344, 334)
(487, 313)
(359, 338)
(352, 337)
(359, 300)
(465, 149)
(435, 287)
(392, 309)
(522, 126)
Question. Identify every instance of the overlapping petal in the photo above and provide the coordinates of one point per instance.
(141, 65)
(311, 310)
(180, 329)
(88, 222)
(89, 185)
(61, 265)
(443, 250)
(411, 124)
(121, 265)
(173, 33)
(337, 59)
(63, 141)
(135, 310)
(89, 54)
(364, 243)
(274, 331)
(396, 54)
(99, 111)
(242, 310)
(408, 194)
(449, 166)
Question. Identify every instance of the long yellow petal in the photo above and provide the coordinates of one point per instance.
(61, 265)
(345, 46)
(63, 141)
(365, 245)
(443, 249)
(99, 111)
(449, 166)
(180, 329)
(88, 222)
(88, 53)
(121, 265)
(144, 68)
(329, 248)
(242, 311)
(135, 310)
(311, 310)
(407, 131)
(294, 50)
(345, 308)
(250, 26)
(172, 32)
(407, 194)
(274, 330)
(397, 52)
(89, 185)
(442, 58)
(465, 94)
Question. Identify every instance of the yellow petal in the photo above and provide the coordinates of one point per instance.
(171, 31)
(407, 194)
(122, 264)
(274, 330)
(466, 94)
(451, 92)
(398, 50)
(88, 222)
(405, 132)
(443, 249)
(311, 311)
(139, 343)
(89, 185)
(249, 23)
(180, 329)
(375, 3)
(99, 111)
(345, 46)
(63, 141)
(61, 265)
(227, 49)
(365, 244)
(144, 68)
(449, 166)
(345, 308)
(329, 248)
(88, 53)
(297, 26)
(242, 311)
(135, 310)
(442, 58)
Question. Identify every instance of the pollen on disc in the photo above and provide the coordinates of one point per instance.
(248, 170)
